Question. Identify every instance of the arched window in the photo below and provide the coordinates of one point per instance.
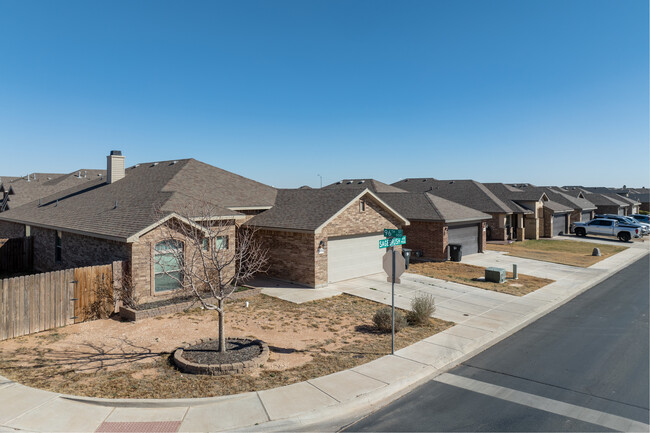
(168, 265)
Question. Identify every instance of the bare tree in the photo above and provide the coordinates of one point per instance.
(208, 256)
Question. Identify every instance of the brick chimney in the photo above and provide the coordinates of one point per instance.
(115, 166)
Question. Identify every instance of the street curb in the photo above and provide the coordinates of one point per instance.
(340, 417)
(344, 413)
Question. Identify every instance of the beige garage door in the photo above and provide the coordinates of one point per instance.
(352, 257)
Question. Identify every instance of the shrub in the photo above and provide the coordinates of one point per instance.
(383, 320)
(422, 307)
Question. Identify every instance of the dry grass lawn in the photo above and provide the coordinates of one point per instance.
(564, 252)
(108, 358)
(475, 276)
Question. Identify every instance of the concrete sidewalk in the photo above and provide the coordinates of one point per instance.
(483, 318)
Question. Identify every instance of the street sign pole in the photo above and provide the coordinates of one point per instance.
(392, 341)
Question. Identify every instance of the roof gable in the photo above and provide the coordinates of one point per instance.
(312, 209)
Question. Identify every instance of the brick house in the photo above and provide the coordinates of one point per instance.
(618, 201)
(119, 217)
(471, 194)
(319, 236)
(437, 222)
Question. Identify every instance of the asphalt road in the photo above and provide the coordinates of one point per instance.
(583, 367)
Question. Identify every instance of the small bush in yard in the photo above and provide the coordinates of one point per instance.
(422, 307)
(384, 322)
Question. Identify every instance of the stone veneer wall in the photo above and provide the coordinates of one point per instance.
(548, 223)
(497, 227)
(11, 230)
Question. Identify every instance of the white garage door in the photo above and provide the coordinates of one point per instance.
(352, 257)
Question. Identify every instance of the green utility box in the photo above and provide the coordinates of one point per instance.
(495, 275)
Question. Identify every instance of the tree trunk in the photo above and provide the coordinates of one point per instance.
(222, 326)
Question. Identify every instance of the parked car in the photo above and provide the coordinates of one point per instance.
(625, 221)
(641, 218)
(644, 226)
(607, 227)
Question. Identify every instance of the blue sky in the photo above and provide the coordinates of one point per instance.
(547, 92)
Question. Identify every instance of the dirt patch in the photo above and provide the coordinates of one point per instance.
(572, 253)
(108, 358)
(475, 276)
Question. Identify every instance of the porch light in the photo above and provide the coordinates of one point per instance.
(321, 247)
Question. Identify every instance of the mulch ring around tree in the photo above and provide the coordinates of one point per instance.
(204, 357)
(208, 352)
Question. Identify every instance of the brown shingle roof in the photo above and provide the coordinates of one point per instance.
(41, 185)
(372, 184)
(306, 209)
(466, 192)
(428, 207)
(167, 186)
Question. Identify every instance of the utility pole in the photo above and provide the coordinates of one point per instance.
(321, 180)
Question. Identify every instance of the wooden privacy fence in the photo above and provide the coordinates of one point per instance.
(16, 255)
(39, 302)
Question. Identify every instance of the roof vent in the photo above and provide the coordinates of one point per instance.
(450, 182)
(361, 181)
(136, 166)
(339, 182)
(424, 180)
(154, 164)
(173, 162)
(349, 182)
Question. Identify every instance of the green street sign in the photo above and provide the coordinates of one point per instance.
(386, 243)
(393, 233)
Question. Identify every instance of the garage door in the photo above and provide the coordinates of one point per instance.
(559, 224)
(466, 235)
(586, 216)
(352, 257)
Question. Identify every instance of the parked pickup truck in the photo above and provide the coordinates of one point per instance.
(608, 227)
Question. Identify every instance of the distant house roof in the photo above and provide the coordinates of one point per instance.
(148, 192)
(604, 200)
(642, 195)
(558, 201)
(372, 184)
(466, 192)
(428, 207)
(509, 195)
(39, 185)
(311, 209)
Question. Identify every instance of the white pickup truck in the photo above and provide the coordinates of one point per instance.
(608, 227)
